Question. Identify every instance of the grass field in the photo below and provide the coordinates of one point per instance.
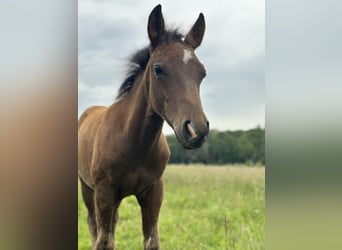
(204, 208)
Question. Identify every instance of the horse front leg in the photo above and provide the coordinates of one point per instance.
(150, 204)
(88, 198)
(105, 216)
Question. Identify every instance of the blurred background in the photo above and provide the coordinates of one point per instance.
(39, 112)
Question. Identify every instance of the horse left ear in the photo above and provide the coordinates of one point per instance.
(195, 35)
(155, 26)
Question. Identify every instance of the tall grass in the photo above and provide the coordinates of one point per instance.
(204, 208)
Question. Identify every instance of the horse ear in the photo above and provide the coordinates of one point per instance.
(195, 35)
(155, 26)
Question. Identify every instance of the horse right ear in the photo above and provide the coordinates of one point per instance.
(155, 26)
(195, 35)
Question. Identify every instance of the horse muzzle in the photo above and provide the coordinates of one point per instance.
(192, 134)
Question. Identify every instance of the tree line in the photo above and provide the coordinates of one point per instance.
(223, 147)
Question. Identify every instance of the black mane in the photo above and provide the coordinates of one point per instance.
(139, 60)
(137, 65)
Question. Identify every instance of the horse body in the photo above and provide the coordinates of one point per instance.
(130, 155)
(122, 150)
(122, 159)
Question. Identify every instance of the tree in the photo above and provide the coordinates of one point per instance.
(246, 147)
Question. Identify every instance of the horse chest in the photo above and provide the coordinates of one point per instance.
(138, 179)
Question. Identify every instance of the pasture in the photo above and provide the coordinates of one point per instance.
(204, 208)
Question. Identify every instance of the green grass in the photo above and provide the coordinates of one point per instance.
(204, 208)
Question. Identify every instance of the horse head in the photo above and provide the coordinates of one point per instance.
(175, 74)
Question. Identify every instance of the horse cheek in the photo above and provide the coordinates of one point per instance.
(157, 102)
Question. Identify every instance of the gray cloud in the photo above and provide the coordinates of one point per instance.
(232, 52)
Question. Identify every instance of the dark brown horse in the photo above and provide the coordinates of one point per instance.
(122, 150)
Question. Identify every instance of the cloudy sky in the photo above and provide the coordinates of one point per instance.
(233, 93)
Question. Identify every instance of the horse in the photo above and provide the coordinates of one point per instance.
(122, 150)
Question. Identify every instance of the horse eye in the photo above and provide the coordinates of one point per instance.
(158, 71)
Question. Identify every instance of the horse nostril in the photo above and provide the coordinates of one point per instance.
(188, 130)
(208, 125)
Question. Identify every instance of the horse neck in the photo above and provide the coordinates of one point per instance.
(144, 126)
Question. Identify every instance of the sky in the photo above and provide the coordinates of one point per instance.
(233, 51)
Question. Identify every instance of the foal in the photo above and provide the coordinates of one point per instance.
(121, 148)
